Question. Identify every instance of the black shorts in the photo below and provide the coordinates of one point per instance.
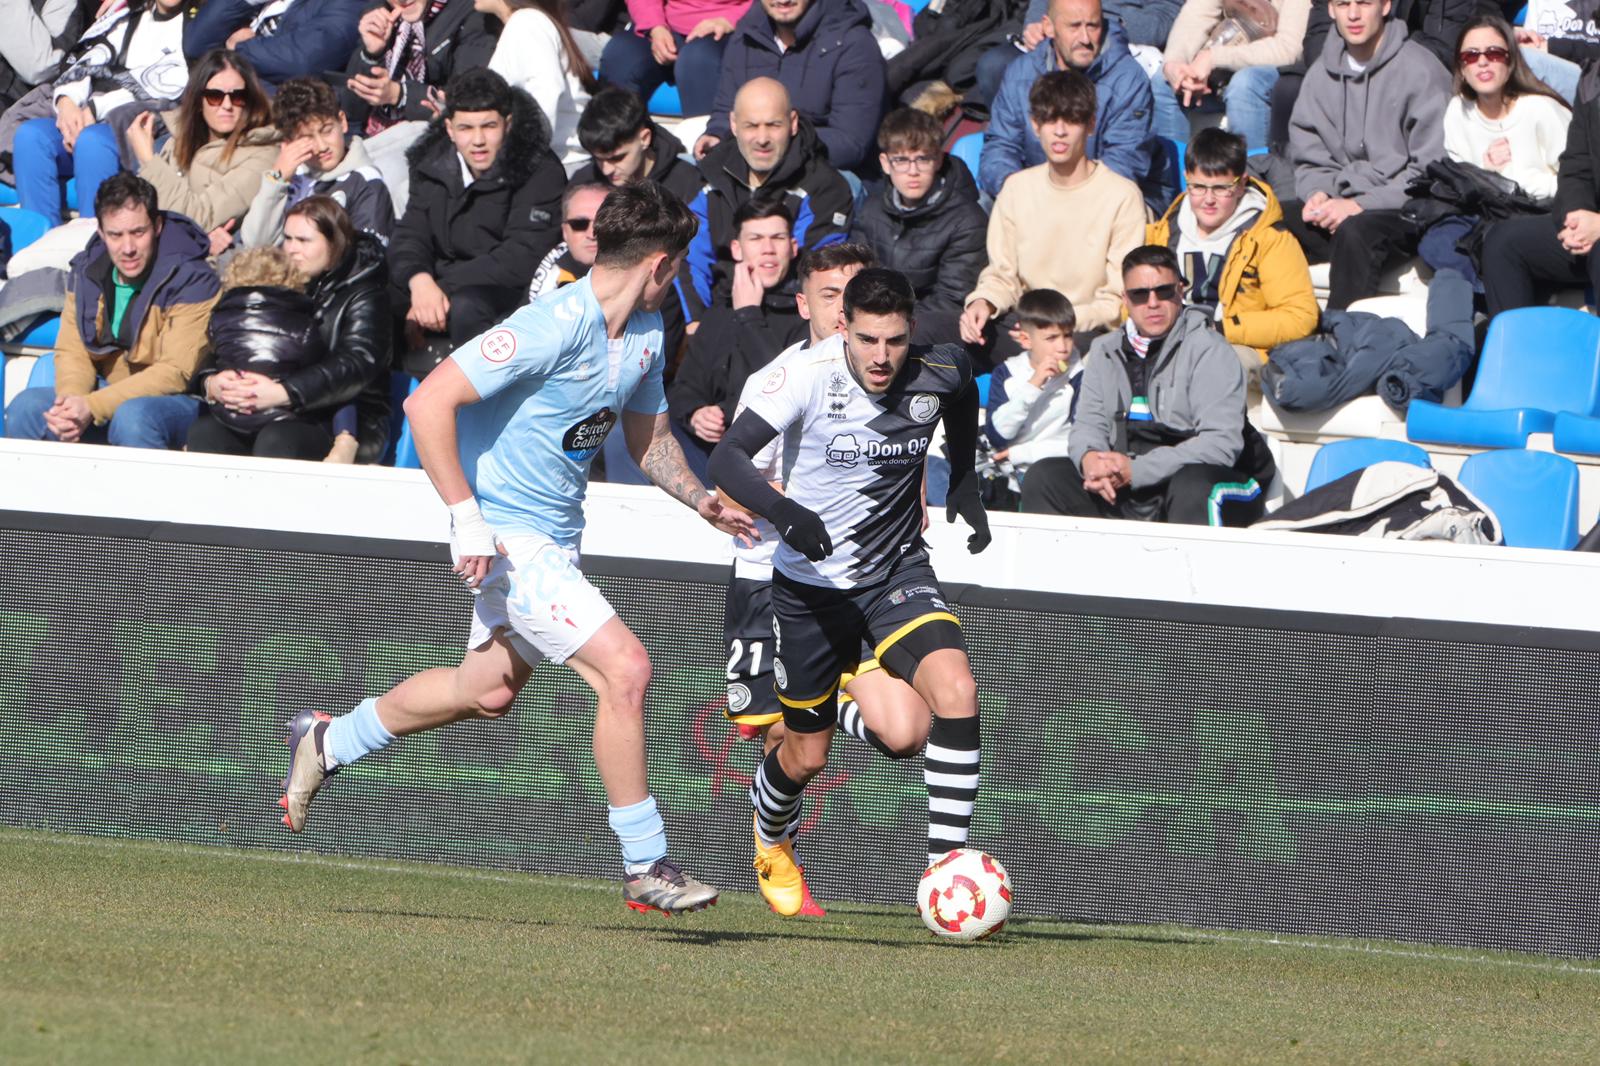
(821, 630)
(747, 625)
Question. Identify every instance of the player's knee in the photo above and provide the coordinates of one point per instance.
(495, 702)
(956, 695)
(628, 677)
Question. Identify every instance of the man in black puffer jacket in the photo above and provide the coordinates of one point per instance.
(485, 208)
(925, 221)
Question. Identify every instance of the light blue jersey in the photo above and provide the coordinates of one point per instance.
(552, 388)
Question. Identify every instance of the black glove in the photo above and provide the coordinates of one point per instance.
(801, 528)
(965, 500)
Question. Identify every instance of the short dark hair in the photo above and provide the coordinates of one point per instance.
(125, 189)
(613, 115)
(640, 220)
(879, 291)
(834, 256)
(301, 101)
(1064, 95)
(906, 129)
(477, 89)
(761, 206)
(580, 186)
(1151, 255)
(1215, 151)
(1039, 308)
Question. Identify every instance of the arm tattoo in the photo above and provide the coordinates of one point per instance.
(664, 464)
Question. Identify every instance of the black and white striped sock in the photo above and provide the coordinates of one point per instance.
(950, 768)
(850, 721)
(776, 799)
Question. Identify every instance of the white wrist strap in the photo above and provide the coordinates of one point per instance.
(469, 532)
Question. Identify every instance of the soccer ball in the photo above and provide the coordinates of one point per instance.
(964, 896)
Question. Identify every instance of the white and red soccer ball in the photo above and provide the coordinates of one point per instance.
(966, 895)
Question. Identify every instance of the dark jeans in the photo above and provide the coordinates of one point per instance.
(1358, 253)
(473, 310)
(1200, 494)
(291, 438)
(629, 63)
(1524, 263)
(1284, 94)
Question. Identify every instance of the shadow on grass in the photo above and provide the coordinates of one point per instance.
(1052, 929)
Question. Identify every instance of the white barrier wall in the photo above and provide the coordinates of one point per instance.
(1127, 560)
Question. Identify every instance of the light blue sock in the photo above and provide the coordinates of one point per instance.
(642, 833)
(350, 736)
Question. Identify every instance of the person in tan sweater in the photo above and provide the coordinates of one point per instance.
(1235, 48)
(1064, 225)
(222, 142)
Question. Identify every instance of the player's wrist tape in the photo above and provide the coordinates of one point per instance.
(471, 534)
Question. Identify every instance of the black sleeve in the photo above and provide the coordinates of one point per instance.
(961, 432)
(733, 468)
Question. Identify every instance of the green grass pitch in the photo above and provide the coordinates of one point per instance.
(135, 952)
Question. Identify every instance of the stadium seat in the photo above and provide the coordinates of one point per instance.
(1578, 434)
(1174, 153)
(26, 226)
(916, 6)
(981, 383)
(664, 101)
(1536, 362)
(1337, 458)
(43, 335)
(1533, 494)
(8, 195)
(969, 150)
(42, 375)
(405, 448)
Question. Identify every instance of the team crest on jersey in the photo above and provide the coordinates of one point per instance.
(843, 450)
(924, 407)
(738, 698)
(774, 381)
(498, 345)
(644, 360)
(585, 438)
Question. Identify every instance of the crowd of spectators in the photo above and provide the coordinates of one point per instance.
(294, 199)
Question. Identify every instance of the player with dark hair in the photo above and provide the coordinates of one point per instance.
(858, 413)
(511, 422)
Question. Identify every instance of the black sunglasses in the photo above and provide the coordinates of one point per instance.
(214, 97)
(1164, 293)
(1469, 56)
(577, 225)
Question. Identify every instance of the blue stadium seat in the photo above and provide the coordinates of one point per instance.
(43, 335)
(43, 373)
(405, 448)
(1579, 434)
(969, 150)
(916, 6)
(1533, 494)
(1536, 362)
(26, 226)
(8, 195)
(1174, 152)
(664, 101)
(1338, 458)
(981, 382)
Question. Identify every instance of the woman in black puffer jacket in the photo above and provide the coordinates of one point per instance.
(281, 391)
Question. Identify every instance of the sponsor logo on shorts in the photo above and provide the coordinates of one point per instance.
(780, 674)
(924, 407)
(738, 698)
(585, 438)
(498, 345)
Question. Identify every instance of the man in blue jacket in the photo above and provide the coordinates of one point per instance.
(1121, 139)
(824, 53)
(306, 37)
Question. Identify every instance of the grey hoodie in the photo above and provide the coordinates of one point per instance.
(355, 183)
(1196, 386)
(1365, 135)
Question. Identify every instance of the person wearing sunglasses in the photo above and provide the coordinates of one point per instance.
(1369, 119)
(1160, 433)
(571, 259)
(1238, 261)
(222, 142)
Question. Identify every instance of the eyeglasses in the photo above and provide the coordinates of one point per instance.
(903, 163)
(1162, 293)
(1469, 56)
(215, 97)
(577, 225)
(1201, 192)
